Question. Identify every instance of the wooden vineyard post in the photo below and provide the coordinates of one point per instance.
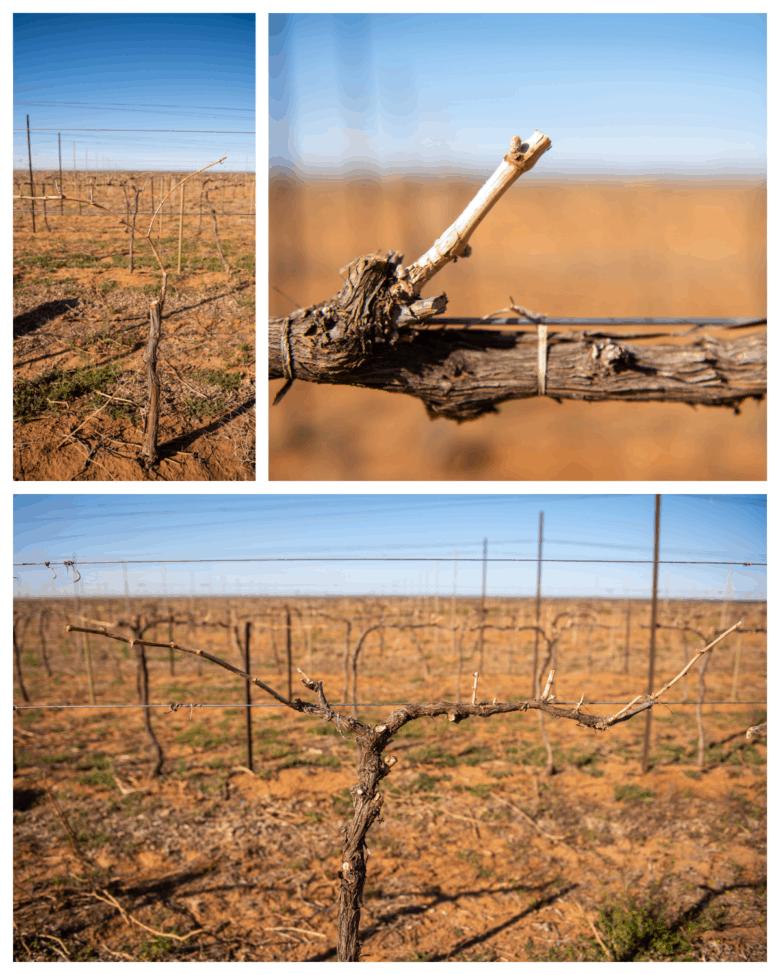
(150, 452)
(452, 608)
(171, 665)
(347, 658)
(200, 205)
(45, 214)
(513, 624)
(90, 677)
(127, 209)
(482, 611)
(42, 637)
(216, 235)
(18, 666)
(288, 648)
(59, 154)
(590, 636)
(534, 684)
(181, 227)
(142, 686)
(628, 636)
(735, 681)
(653, 621)
(86, 648)
(702, 743)
(248, 693)
(612, 654)
(132, 225)
(32, 189)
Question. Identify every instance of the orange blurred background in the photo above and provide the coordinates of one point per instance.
(630, 247)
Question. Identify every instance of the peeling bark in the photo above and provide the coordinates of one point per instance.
(462, 374)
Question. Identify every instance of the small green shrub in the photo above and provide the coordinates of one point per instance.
(320, 761)
(199, 736)
(481, 791)
(99, 761)
(433, 755)
(33, 396)
(323, 729)
(425, 783)
(217, 377)
(203, 409)
(101, 779)
(642, 932)
(155, 948)
(633, 793)
(342, 803)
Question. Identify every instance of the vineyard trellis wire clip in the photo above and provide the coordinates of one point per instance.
(70, 565)
(175, 707)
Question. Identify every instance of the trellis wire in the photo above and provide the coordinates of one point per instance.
(144, 213)
(696, 325)
(335, 704)
(189, 131)
(378, 558)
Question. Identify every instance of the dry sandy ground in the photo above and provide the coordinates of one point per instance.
(480, 855)
(603, 249)
(81, 321)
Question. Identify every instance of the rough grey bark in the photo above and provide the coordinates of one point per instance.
(463, 374)
(150, 452)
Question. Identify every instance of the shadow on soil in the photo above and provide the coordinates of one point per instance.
(32, 320)
(437, 897)
(188, 439)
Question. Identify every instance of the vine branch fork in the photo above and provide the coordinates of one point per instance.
(372, 767)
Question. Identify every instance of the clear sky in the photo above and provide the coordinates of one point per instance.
(659, 94)
(157, 527)
(75, 72)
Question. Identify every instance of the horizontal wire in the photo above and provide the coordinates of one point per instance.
(696, 325)
(363, 704)
(195, 131)
(554, 320)
(376, 558)
(140, 213)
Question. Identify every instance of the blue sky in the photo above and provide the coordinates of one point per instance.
(659, 94)
(157, 527)
(74, 72)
